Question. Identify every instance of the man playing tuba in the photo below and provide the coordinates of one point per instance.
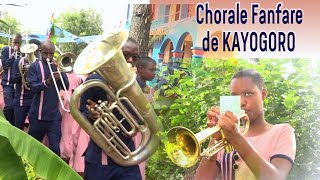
(23, 96)
(98, 165)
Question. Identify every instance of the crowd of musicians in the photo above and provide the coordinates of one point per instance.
(32, 91)
(33, 105)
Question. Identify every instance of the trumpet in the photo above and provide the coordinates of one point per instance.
(183, 146)
(56, 85)
(104, 56)
(28, 50)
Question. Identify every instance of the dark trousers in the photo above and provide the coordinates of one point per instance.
(111, 171)
(20, 114)
(8, 96)
(39, 128)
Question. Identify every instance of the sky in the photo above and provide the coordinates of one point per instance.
(35, 15)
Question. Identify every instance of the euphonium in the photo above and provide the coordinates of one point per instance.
(28, 50)
(65, 61)
(183, 146)
(104, 56)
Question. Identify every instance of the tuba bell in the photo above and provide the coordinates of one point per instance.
(184, 147)
(28, 50)
(104, 56)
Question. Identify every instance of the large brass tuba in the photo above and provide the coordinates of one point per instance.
(28, 50)
(183, 146)
(104, 56)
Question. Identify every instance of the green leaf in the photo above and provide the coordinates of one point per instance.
(11, 166)
(47, 165)
(290, 100)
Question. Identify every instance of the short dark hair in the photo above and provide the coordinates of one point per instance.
(253, 75)
(17, 35)
(143, 61)
(35, 41)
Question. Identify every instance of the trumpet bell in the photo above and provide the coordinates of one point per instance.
(29, 48)
(182, 147)
(66, 61)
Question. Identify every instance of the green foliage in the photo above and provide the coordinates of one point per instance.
(31, 174)
(13, 164)
(2, 46)
(41, 161)
(80, 23)
(293, 97)
(8, 22)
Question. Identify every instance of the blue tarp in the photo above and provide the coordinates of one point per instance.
(68, 38)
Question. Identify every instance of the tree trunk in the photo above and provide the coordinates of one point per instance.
(140, 26)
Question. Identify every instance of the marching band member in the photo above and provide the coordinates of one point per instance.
(79, 141)
(97, 164)
(266, 151)
(23, 96)
(146, 71)
(66, 144)
(1, 89)
(44, 114)
(9, 54)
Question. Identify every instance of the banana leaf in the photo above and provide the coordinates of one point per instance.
(46, 164)
(13, 167)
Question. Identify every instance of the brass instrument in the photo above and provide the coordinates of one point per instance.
(56, 85)
(183, 146)
(28, 50)
(64, 64)
(104, 56)
(66, 61)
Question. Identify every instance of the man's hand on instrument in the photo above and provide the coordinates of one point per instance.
(56, 76)
(55, 64)
(25, 69)
(15, 49)
(91, 107)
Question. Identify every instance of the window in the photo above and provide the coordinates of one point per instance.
(184, 11)
(166, 13)
(177, 13)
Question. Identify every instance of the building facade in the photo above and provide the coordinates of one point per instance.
(177, 38)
